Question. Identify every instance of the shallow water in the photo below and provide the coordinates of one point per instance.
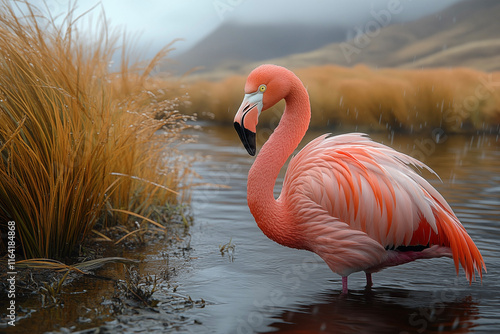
(260, 286)
(263, 286)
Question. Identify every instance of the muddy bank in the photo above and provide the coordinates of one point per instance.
(116, 297)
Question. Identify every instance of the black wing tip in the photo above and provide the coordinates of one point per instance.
(412, 248)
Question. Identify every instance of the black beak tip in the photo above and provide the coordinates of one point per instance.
(251, 151)
(247, 137)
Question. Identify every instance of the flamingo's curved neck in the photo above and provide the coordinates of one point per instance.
(269, 213)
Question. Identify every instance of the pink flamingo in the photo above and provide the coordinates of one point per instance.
(356, 203)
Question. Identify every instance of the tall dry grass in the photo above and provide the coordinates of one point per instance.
(456, 100)
(78, 143)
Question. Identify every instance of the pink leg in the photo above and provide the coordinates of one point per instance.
(369, 281)
(344, 285)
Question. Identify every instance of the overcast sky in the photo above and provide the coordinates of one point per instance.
(158, 22)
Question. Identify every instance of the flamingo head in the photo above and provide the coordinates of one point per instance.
(266, 85)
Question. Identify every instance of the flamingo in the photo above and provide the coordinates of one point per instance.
(358, 204)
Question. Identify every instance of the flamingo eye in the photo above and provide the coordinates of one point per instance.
(262, 88)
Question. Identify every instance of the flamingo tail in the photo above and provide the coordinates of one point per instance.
(451, 233)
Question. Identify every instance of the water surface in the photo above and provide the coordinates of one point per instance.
(264, 287)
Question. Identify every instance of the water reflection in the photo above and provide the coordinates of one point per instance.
(381, 311)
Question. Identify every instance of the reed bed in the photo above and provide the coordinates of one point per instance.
(79, 144)
(455, 100)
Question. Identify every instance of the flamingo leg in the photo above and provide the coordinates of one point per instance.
(344, 285)
(369, 281)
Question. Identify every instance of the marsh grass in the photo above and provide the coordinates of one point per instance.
(456, 100)
(81, 267)
(139, 287)
(79, 144)
(228, 248)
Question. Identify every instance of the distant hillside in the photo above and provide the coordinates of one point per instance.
(232, 44)
(465, 34)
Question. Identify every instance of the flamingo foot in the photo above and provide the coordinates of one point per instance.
(369, 281)
(344, 285)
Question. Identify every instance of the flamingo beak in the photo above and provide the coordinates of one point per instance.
(246, 119)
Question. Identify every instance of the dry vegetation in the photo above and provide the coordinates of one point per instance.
(456, 100)
(78, 144)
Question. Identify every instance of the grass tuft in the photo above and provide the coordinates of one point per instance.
(79, 144)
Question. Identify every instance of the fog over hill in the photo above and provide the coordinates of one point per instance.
(233, 44)
(464, 34)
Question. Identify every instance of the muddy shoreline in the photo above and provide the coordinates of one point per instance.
(109, 298)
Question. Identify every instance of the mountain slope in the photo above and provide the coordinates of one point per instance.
(465, 34)
(232, 44)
